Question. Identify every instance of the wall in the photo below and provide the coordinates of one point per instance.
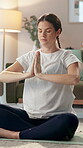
(10, 38)
(72, 32)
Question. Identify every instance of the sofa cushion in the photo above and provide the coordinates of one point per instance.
(19, 90)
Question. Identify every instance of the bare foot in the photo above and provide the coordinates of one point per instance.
(8, 134)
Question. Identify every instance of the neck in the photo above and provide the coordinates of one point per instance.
(49, 49)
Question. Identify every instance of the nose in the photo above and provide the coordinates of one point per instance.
(44, 34)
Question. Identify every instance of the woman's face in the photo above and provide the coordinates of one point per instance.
(46, 34)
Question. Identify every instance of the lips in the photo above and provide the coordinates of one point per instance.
(43, 39)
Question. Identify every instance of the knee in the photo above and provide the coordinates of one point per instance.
(72, 120)
(69, 124)
(72, 124)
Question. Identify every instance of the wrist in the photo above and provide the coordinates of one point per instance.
(27, 75)
(39, 75)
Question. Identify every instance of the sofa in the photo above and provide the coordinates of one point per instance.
(14, 91)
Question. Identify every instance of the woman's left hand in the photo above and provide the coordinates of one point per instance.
(37, 66)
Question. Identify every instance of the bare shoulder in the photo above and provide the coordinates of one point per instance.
(16, 67)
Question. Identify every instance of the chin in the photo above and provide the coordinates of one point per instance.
(44, 44)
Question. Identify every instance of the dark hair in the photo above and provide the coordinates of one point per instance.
(54, 20)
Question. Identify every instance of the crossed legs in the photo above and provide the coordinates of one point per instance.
(18, 126)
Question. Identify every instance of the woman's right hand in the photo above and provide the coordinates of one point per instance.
(37, 66)
(31, 72)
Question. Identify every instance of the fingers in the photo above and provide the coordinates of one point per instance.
(37, 53)
(38, 57)
(37, 66)
(32, 68)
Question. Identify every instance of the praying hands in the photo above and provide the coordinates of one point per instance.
(36, 67)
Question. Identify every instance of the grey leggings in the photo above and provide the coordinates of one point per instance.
(58, 127)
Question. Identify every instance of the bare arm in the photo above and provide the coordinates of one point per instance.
(71, 78)
(15, 73)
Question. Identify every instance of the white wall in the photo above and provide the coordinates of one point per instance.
(10, 38)
(72, 32)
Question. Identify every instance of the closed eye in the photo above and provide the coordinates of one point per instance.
(48, 30)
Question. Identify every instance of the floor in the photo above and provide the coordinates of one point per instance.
(20, 144)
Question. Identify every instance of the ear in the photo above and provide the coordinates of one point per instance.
(58, 32)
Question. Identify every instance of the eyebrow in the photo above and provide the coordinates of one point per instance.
(45, 29)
